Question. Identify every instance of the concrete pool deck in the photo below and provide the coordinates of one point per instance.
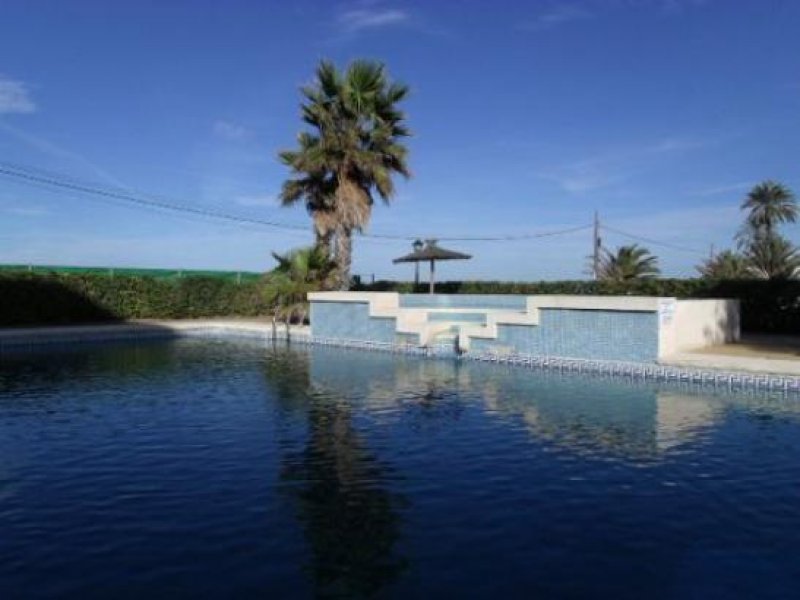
(772, 354)
(146, 328)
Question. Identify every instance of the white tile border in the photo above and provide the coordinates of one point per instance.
(719, 379)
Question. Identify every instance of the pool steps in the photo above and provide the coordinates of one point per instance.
(428, 322)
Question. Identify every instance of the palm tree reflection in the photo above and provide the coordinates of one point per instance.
(339, 487)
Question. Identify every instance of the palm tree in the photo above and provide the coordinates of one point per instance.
(353, 151)
(773, 257)
(769, 204)
(318, 192)
(287, 286)
(727, 265)
(628, 263)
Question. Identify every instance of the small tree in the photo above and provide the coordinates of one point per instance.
(287, 286)
(726, 265)
(628, 263)
(773, 257)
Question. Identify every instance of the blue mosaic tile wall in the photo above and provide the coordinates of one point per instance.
(461, 317)
(579, 334)
(350, 321)
(585, 334)
(495, 301)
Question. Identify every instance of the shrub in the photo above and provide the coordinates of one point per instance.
(58, 298)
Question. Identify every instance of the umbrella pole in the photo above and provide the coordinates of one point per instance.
(416, 275)
(430, 291)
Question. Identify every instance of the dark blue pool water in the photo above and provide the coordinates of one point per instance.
(198, 468)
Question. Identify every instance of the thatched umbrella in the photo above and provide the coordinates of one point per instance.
(430, 252)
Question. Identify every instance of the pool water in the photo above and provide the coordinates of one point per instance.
(197, 468)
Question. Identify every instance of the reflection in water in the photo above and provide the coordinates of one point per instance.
(680, 418)
(321, 470)
(18, 372)
(340, 488)
(611, 418)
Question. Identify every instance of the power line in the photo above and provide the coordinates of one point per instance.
(28, 176)
(128, 197)
(40, 178)
(513, 237)
(652, 241)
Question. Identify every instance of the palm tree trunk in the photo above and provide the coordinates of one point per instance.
(344, 257)
(325, 240)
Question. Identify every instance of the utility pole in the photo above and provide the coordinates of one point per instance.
(711, 252)
(596, 247)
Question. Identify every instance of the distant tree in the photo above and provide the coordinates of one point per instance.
(772, 257)
(768, 205)
(726, 265)
(628, 263)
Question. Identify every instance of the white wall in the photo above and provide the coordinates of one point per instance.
(696, 324)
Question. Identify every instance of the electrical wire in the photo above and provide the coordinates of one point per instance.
(652, 241)
(39, 178)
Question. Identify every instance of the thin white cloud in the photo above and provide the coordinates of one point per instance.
(26, 211)
(676, 144)
(357, 20)
(15, 97)
(616, 166)
(724, 189)
(231, 131)
(583, 176)
(265, 200)
(694, 225)
(677, 6)
(560, 14)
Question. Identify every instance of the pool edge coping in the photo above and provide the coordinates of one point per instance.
(718, 378)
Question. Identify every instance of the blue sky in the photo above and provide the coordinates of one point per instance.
(528, 116)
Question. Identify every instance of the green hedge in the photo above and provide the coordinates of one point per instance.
(767, 306)
(58, 298)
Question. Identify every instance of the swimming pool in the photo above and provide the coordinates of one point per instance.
(209, 468)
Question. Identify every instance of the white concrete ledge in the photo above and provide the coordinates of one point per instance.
(389, 300)
(739, 364)
(141, 329)
(612, 303)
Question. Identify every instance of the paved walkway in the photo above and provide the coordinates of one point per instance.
(774, 354)
(142, 328)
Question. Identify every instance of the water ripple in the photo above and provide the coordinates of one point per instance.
(200, 468)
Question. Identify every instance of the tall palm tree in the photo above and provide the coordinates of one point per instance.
(727, 265)
(628, 263)
(353, 151)
(768, 205)
(773, 257)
